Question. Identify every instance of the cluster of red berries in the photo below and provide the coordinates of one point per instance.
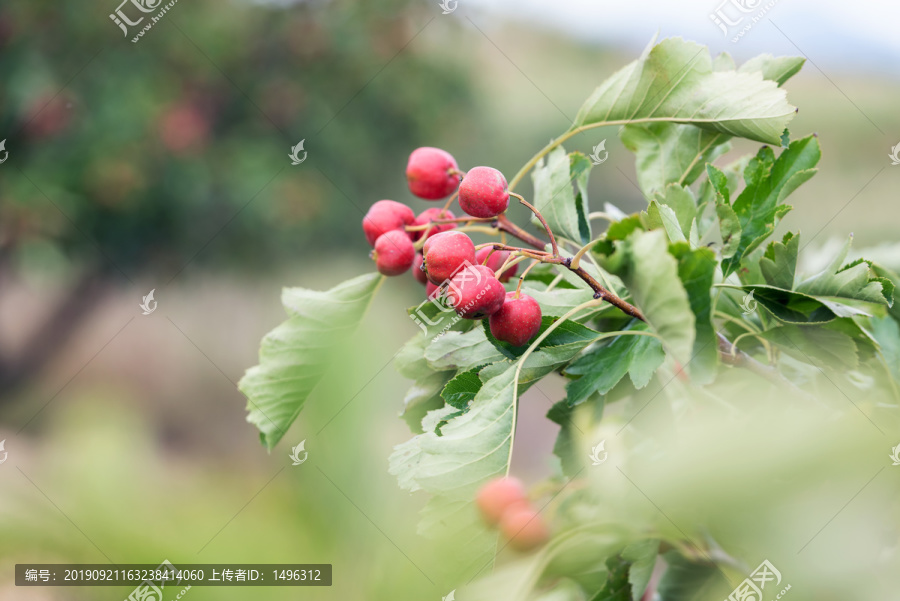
(449, 265)
(503, 502)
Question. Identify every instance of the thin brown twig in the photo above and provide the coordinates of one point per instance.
(505, 225)
(542, 220)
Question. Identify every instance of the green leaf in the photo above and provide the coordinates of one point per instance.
(473, 448)
(671, 153)
(663, 217)
(769, 181)
(778, 69)
(555, 197)
(294, 356)
(684, 580)
(462, 389)
(566, 445)
(435, 318)
(723, 62)
(576, 554)
(602, 368)
(697, 269)
(779, 263)
(674, 80)
(461, 351)
(824, 296)
(425, 393)
(888, 274)
(623, 228)
(682, 201)
(887, 333)
(854, 281)
(410, 359)
(788, 306)
(651, 275)
(816, 345)
(423, 396)
(729, 229)
(559, 301)
(617, 586)
(642, 556)
(541, 362)
(579, 171)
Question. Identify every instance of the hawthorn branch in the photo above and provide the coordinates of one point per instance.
(729, 354)
(505, 225)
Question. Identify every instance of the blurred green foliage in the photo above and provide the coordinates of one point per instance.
(150, 149)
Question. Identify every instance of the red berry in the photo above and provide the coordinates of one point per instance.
(445, 253)
(429, 215)
(394, 253)
(483, 192)
(474, 292)
(431, 291)
(432, 173)
(384, 216)
(517, 321)
(499, 495)
(418, 272)
(524, 528)
(496, 261)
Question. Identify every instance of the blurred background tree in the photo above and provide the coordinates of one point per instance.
(128, 160)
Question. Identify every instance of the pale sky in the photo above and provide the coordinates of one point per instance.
(832, 33)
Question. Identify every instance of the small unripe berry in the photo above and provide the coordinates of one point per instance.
(384, 216)
(394, 253)
(499, 495)
(496, 261)
(524, 528)
(417, 270)
(429, 215)
(483, 192)
(445, 253)
(432, 173)
(517, 321)
(475, 293)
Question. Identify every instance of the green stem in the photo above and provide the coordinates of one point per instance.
(572, 132)
(522, 277)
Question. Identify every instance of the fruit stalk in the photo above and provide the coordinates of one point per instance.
(542, 220)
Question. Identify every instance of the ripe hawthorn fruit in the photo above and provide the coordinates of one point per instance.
(394, 253)
(483, 192)
(429, 215)
(385, 216)
(524, 528)
(445, 253)
(517, 321)
(498, 495)
(417, 270)
(432, 173)
(474, 292)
